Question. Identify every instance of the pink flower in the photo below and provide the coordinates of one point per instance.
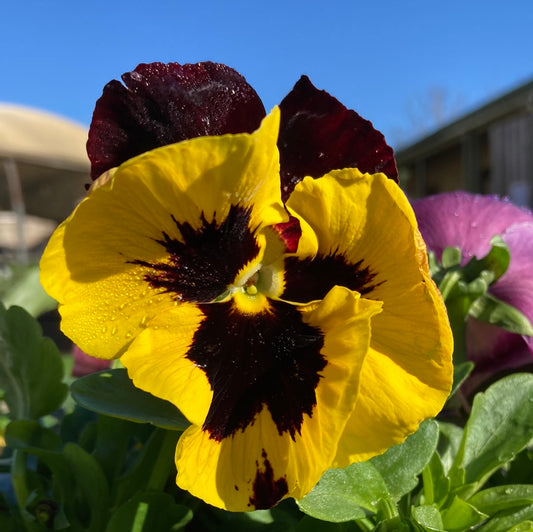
(468, 222)
(84, 364)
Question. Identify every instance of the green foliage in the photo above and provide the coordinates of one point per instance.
(20, 286)
(499, 427)
(31, 370)
(465, 292)
(147, 511)
(112, 393)
(434, 479)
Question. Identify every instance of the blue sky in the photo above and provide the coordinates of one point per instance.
(383, 59)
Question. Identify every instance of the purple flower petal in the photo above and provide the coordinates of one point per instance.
(492, 350)
(469, 221)
(516, 285)
(160, 104)
(464, 220)
(318, 134)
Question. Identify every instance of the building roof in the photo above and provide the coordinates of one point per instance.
(507, 105)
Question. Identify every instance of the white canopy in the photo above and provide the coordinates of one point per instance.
(42, 138)
(43, 169)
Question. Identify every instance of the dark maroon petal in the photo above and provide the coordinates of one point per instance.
(270, 359)
(160, 104)
(318, 134)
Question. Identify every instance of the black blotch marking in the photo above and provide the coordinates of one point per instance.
(270, 358)
(311, 279)
(200, 268)
(267, 492)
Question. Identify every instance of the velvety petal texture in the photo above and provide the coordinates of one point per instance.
(318, 134)
(160, 104)
(469, 221)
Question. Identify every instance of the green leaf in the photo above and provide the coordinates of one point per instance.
(436, 483)
(112, 393)
(491, 310)
(308, 524)
(495, 261)
(525, 526)
(428, 516)
(460, 374)
(461, 516)
(149, 511)
(31, 369)
(451, 257)
(509, 520)
(401, 464)
(79, 486)
(450, 438)
(345, 494)
(22, 434)
(113, 438)
(91, 494)
(25, 291)
(500, 425)
(493, 500)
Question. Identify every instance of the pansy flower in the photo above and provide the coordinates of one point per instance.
(469, 221)
(254, 277)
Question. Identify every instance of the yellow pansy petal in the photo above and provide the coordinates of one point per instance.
(368, 241)
(178, 223)
(268, 458)
(156, 362)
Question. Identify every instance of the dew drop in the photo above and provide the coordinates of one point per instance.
(113, 331)
(128, 335)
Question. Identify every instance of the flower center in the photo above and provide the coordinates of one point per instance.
(250, 286)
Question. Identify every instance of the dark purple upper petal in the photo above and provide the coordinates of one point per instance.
(318, 134)
(160, 104)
